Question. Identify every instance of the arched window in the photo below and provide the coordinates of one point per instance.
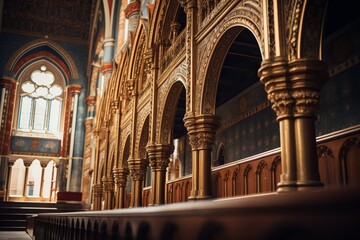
(40, 102)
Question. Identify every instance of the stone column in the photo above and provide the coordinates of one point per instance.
(278, 87)
(72, 184)
(201, 130)
(4, 177)
(293, 89)
(108, 192)
(159, 156)
(27, 165)
(9, 174)
(137, 169)
(307, 76)
(43, 166)
(120, 177)
(97, 194)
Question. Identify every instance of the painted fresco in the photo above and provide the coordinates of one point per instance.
(35, 146)
(340, 103)
(248, 125)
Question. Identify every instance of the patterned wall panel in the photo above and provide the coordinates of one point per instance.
(340, 102)
(35, 146)
(248, 125)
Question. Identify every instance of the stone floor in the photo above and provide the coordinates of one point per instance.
(14, 235)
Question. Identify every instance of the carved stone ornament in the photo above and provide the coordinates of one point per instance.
(97, 190)
(159, 155)
(108, 184)
(138, 168)
(120, 176)
(201, 130)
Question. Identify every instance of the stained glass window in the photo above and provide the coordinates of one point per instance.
(25, 112)
(40, 103)
(39, 114)
(54, 118)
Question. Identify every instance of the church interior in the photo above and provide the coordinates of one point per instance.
(180, 119)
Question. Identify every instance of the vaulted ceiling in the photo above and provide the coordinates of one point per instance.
(58, 19)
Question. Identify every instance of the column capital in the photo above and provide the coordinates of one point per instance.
(159, 155)
(138, 168)
(202, 130)
(307, 77)
(274, 75)
(187, 4)
(74, 88)
(120, 176)
(90, 100)
(107, 184)
(97, 190)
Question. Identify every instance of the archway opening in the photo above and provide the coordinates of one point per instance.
(248, 124)
(180, 163)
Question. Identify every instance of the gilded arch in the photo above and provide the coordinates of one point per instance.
(215, 46)
(124, 147)
(142, 135)
(168, 99)
(305, 30)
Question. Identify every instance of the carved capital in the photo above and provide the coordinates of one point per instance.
(307, 77)
(97, 190)
(201, 130)
(274, 75)
(114, 105)
(138, 168)
(187, 4)
(107, 184)
(159, 155)
(120, 176)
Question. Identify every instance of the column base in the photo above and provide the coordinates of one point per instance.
(309, 185)
(287, 186)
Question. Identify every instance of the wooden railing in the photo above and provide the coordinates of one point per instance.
(322, 214)
(338, 156)
(246, 206)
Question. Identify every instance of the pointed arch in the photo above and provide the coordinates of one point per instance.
(168, 113)
(143, 135)
(46, 49)
(210, 75)
(306, 41)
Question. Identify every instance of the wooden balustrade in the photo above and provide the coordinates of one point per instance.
(321, 214)
(338, 166)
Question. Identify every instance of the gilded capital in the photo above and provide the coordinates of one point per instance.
(307, 77)
(138, 168)
(108, 184)
(202, 130)
(274, 76)
(120, 176)
(159, 155)
(97, 190)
